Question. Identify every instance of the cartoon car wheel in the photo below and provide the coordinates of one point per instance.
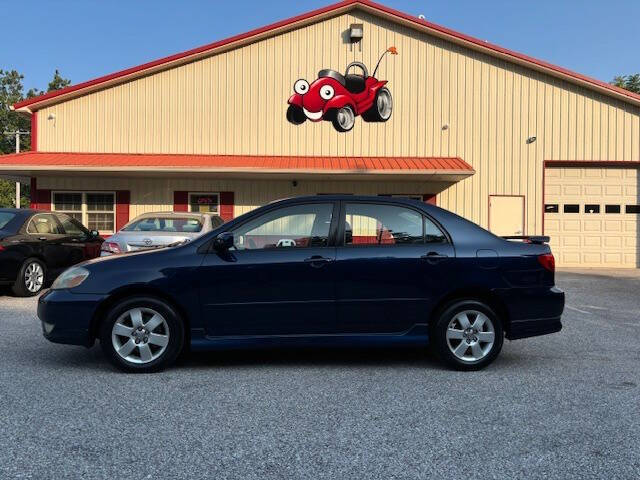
(381, 109)
(344, 119)
(295, 115)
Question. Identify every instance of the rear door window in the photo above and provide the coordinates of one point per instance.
(380, 224)
(43, 224)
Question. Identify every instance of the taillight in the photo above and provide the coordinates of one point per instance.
(547, 261)
(110, 247)
(2, 248)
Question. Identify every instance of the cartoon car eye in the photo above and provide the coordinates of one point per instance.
(301, 86)
(327, 92)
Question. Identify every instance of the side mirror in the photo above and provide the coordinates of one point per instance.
(223, 241)
(94, 233)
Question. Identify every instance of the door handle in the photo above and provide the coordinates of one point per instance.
(44, 239)
(317, 261)
(434, 257)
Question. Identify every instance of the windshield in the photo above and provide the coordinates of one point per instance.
(165, 224)
(5, 217)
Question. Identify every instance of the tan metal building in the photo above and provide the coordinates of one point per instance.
(515, 144)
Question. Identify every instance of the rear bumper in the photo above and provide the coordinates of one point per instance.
(66, 317)
(533, 311)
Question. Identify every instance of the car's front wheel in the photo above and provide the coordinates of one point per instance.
(344, 118)
(467, 335)
(30, 279)
(142, 335)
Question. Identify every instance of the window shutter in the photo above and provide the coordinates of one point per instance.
(123, 199)
(180, 201)
(226, 206)
(429, 198)
(40, 199)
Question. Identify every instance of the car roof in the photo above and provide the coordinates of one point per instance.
(351, 198)
(23, 211)
(174, 214)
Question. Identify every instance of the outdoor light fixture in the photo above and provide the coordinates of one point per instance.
(356, 32)
(531, 139)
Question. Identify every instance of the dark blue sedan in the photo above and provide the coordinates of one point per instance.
(324, 270)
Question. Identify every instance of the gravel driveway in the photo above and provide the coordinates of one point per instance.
(561, 406)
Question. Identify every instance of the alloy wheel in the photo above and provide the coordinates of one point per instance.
(470, 335)
(140, 335)
(34, 277)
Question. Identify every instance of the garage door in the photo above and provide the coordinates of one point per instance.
(591, 215)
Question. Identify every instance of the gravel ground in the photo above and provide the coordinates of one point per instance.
(561, 406)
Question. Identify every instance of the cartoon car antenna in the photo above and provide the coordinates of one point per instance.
(340, 98)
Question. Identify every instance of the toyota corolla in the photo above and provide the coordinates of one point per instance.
(325, 270)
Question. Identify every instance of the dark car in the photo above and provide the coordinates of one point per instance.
(325, 270)
(35, 246)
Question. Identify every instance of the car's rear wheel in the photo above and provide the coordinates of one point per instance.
(30, 279)
(468, 335)
(344, 119)
(142, 335)
(382, 107)
(295, 115)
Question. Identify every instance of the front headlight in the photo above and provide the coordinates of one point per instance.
(70, 278)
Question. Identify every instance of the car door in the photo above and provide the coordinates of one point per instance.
(80, 243)
(277, 279)
(45, 236)
(391, 262)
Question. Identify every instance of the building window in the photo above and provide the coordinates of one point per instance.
(95, 210)
(591, 208)
(551, 208)
(571, 208)
(612, 209)
(69, 203)
(204, 202)
(632, 209)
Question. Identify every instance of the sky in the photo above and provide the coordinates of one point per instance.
(85, 39)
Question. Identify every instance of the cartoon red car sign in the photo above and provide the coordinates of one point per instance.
(340, 98)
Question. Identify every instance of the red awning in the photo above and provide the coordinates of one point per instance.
(31, 163)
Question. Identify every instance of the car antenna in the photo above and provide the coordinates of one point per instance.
(391, 50)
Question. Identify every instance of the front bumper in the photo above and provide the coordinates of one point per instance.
(533, 311)
(66, 317)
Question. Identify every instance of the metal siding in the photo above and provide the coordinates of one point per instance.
(157, 194)
(235, 103)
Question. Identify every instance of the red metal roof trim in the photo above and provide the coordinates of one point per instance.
(321, 11)
(49, 159)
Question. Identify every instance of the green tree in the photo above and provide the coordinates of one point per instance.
(628, 82)
(58, 82)
(12, 91)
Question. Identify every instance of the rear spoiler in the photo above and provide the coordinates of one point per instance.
(539, 239)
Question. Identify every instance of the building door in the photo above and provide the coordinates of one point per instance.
(591, 215)
(506, 215)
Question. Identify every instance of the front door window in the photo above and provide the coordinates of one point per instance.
(299, 226)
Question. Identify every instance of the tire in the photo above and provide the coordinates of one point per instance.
(462, 345)
(382, 107)
(30, 279)
(295, 115)
(142, 350)
(344, 118)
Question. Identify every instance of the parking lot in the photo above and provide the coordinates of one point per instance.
(561, 406)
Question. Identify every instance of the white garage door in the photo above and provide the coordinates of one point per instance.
(591, 215)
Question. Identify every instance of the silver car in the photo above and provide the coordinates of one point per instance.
(154, 230)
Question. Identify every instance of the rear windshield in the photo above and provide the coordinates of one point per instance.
(5, 217)
(164, 224)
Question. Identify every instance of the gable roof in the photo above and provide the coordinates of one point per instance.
(33, 104)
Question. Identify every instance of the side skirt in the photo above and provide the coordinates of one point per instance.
(416, 336)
